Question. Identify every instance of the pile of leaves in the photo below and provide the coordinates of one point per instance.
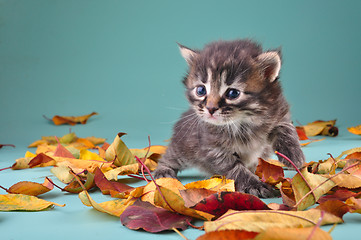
(320, 193)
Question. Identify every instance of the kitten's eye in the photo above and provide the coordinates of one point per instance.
(232, 94)
(201, 91)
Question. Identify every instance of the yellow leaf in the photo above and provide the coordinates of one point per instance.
(171, 183)
(301, 188)
(119, 152)
(29, 154)
(113, 207)
(260, 220)
(215, 184)
(21, 202)
(88, 155)
(123, 170)
(346, 180)
(318, 128)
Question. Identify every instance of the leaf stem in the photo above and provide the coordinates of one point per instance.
(316, 226)
(179, 233)
(298, 171)
(51, 181)
(157, 186)
(2, 169)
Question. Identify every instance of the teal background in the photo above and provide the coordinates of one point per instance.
(120, 58)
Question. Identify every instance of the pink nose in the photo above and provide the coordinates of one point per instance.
(212, 110)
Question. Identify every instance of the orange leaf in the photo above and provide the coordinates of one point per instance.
(355, 130)
(269, 173)
(72, 120)
(228, 235)
(30, 188)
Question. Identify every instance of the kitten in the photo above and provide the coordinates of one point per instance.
(237, 115)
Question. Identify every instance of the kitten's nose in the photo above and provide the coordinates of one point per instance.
(212, 110)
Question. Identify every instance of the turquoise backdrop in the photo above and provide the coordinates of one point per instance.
(120, 59)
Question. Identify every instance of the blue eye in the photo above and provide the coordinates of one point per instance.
(232, 94)
(201, 91)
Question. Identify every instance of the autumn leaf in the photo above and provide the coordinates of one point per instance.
(113, 207)
(354, 204)
(335, 207)
(119, 152)
(219, 203)
(152, 219)
(192, 196)
(303, 184)
(301, 133)
(217, 184)
(294, 234)
(21, 202)
(71, 120)
(325, 128)
(30, 188)
(75, 187)
(355, 130)
(269, 173)
(228, 235)
(109, 187)
(340, 194)
(260, 220)
(41, 160)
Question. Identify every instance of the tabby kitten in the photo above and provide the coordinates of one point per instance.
(237, 115)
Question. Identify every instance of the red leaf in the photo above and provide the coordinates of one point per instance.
(109, 187)
(301, 133)
(152, 219)
(7, 145)
(219, 203)
(269, 173)
(228, 235)
(41, 159)
(61, 151)
(341, 194)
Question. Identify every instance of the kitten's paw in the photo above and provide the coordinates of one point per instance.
(261, 189)
(295, 155)
(162, 172)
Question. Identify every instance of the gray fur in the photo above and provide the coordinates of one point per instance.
(228, 138)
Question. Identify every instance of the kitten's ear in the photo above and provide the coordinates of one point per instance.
(271, 64)
(187, 53)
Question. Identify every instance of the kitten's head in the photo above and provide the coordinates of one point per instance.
(226, 80)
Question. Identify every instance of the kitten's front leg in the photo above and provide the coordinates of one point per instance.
(168, 166)
(285, 140)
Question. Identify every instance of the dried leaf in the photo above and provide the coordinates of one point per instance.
(175, 202)
(71, 120)
(269, 173)
(355, 130)
(61, 151)
(123, 170)
(41, 160)
(75, 187)
(193, 196)
(313, 181)
(294, 234)
(228, 235)
(326, 128)
(7, 145)
(113, 207)
(258, 221)
(340, 194)
(219, 203)
(301, 133)
(348, 152)
(152, 219)
(217, 184)
(354, 204)
(119, 152)
(30, 188)
(334, 207)
(21, 202)
(109, 187)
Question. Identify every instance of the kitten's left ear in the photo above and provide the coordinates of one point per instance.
(187, 53)
(271, 64)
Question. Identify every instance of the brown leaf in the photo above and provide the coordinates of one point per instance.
(109, 187)
(42, 160)
(71, 120)
(7, 145)
(193, 196)
(354, 204)
(334, 207)
(269, 173)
